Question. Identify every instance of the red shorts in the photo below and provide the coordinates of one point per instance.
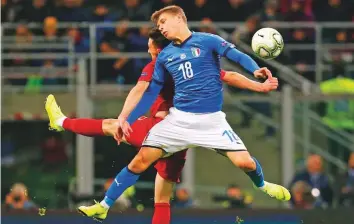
(169, 168)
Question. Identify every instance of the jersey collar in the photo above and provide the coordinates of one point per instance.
(181, 44)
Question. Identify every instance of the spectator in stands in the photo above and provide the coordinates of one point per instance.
(135, 10)
(23, 34)
(245, 33)
(270, 12)
(54, 152)
(285, 6)
(300, 36)
(297, 12)
(302, 58)
(318, 181)
(80, 41)
(345, 185)
(100, 13)
(53, 36)
(137, 43)
(236, 10)
(333, 10)
(50, 28)
(10, 10)
(114, 70)
(337, 64)
(207, 26)
(163, 3)
(234, 198)
(72, 11)
(4, 11)
(35, 12)
(302, 196)
(23, 38)
(17, 198)
(48, 73)
(196, 10)
(105, 14)
(341, 57)
(182, 199)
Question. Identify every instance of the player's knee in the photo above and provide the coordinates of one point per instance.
(138, 164)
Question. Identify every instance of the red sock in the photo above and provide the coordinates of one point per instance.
(84, 126)
(161, 214)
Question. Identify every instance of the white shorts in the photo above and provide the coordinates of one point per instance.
(181, 130)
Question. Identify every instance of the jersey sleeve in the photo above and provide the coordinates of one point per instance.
(160, 71)
(218, 44)
(222, 74)
(146, 74)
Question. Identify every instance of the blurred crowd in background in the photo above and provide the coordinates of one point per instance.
(124, 39)
(310, 188)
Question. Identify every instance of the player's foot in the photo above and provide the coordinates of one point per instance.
(54, 113)
(276, 191)
(96, 211)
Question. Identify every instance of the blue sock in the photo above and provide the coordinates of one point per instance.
(257, 174)
(124, 179)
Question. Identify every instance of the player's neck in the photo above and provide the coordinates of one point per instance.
(183, 35)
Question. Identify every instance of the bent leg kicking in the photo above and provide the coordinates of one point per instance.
(253, 169)
(124, 179)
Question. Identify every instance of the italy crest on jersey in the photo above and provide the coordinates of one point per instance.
(195, 51)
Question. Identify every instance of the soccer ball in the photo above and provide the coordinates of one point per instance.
(267, 43)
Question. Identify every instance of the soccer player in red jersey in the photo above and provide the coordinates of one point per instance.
(168, 169)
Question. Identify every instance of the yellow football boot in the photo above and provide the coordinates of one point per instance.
(96, 211)
(54, 113)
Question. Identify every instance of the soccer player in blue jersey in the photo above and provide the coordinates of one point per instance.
(192, 60)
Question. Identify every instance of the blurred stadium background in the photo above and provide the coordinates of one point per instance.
(89, 53)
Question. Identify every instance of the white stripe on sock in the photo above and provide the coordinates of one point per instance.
(60, 121)
(104, 204)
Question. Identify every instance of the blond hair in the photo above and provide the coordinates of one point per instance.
(173, 9)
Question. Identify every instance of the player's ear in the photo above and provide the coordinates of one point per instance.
(179, 18)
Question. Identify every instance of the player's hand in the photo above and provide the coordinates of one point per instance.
(123, 129)
(263, 73)
(270, 84)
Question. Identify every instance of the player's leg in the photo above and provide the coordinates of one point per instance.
(59, 122)
(163, 195)
(169, 171)
(161, 136)
(214, 132)
(124, 179)
(253, 169)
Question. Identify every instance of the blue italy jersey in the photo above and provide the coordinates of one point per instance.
(195, 68)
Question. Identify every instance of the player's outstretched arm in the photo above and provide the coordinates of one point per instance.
(228, 50)
(240, 81)
(141, 108)
(146, 101)
(133, 98)
(148, 98)
(247, 63)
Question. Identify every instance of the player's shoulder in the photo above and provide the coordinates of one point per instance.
(166, 52)
(206, 35)
(148, 69)
(150, 65)
(208, 39)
